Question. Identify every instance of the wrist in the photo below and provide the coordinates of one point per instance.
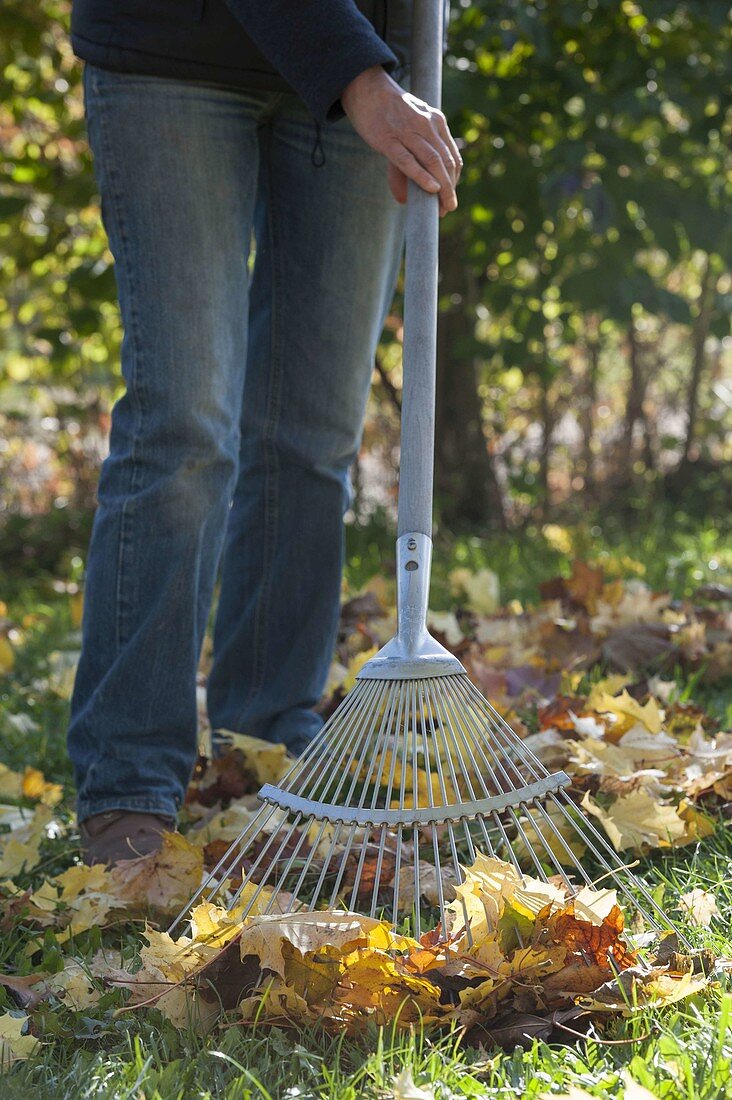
(365, 84)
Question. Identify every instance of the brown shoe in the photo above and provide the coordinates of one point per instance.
(121, 834)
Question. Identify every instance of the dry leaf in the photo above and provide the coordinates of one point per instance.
(480, 591)
(20, 850)
(699, 906)
(404, 1088)
(637, 820)
(15, 1043)
(163, 880)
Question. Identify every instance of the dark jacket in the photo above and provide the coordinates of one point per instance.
(313, 47)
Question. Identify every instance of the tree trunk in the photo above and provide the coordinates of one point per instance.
(634, 402)
(465, 479)
(547, 426)
(699, 338)
(589, 400)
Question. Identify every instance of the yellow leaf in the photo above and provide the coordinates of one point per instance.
(559, 837)
(610, 685)
(167, 965)
(263, 936)
(445, 623)
(163, 880)
(666, 989)
(633, 1091)
(699, 906)
(11, 783)
(81, 879)
(35, 786)
(594, 905)
(479, 591)
(20, 850)
(698, 825)
(74, 986)
(638, 819)
(355, 665)
(7, 656)
(267, 760)
(489, 883)
(276, 1000)
(629, 711)
(76, 605)
(14, 1045)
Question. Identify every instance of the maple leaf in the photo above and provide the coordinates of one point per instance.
(20, 850)
(15, 1043)
(264, 936)
(480, 591)
(163, 880)
(553, 831)
(637, 819)
(163, 980)
(585, 584)
(266, 760)
(699, 906)
(35, 786)
(11, 783)
(445, 624)
(628, 711)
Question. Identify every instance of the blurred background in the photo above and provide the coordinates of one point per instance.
(584, 384)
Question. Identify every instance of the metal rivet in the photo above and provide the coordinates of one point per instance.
(411, 544)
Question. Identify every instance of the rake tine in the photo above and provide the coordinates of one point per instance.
(615, 873)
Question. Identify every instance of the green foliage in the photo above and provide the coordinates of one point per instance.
(593, 215)
(595, 134)
(58, 317)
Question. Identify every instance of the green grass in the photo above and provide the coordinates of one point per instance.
(668, 549)
(682, 1053)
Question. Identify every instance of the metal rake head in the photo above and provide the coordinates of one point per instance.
(408, 780)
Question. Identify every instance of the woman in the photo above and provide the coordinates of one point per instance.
(246, 383)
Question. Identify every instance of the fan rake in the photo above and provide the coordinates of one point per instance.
(415, 773)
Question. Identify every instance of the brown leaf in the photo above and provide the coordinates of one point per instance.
(224, 780)
(162, 881)
(638, 647)
(585, 585)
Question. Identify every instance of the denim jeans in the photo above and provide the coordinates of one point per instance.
(246, 386)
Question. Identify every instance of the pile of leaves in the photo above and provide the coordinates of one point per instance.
(517, 958)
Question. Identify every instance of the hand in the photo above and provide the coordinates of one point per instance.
(413, 136)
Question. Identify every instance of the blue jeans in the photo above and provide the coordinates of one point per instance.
(246, 387)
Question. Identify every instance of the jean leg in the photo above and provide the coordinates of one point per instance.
(176, 164)
(328, 248)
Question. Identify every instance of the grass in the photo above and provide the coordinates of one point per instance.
(682, 1053)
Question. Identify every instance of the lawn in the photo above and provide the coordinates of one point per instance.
(683, 1051)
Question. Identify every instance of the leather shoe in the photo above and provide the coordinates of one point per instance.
(115, 835)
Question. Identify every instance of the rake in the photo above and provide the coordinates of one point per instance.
(415, 772)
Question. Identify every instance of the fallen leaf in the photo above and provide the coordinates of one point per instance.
(404, 1088)
(15, 1043)
(699, 906)
(480, 591)
(162, 881)
(637, 820)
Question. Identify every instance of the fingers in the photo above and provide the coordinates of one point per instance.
(397, 183)
(407, 165)
(449, 140)
(437, 159)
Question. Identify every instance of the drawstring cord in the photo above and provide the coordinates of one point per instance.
(317, 157)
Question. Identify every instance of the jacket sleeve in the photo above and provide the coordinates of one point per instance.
(318, 46)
